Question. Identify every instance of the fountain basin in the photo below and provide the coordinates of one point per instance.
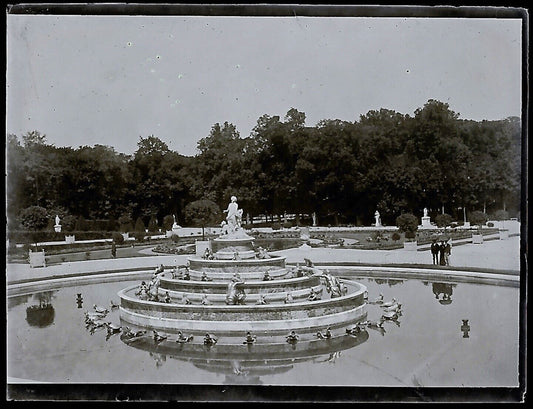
(235, 318)
(251, 287)
(230, 267)
(232, 327)
(257, 275)
(218, 298)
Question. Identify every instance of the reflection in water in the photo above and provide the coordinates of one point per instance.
(446, 290)
(79, 300)
(389, 281)
(465, 328)
(41, 315)
(159, 359)
(246, 363)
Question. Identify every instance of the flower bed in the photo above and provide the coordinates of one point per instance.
(171, 248)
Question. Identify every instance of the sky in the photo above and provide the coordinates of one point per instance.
(109, 80)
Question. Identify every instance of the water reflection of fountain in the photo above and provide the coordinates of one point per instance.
(246, 364)
(41, 315)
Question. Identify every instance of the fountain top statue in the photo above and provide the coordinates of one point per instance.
(233, 217)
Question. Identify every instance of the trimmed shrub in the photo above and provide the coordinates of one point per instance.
(139, 236)
(34, 218)
(152, 224)
(478, 218)
(501, 215)
(125, 223)
(117, 237)
(408, 224)
(443, 220)
(139, 225)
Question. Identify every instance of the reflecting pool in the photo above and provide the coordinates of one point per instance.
(449, 334)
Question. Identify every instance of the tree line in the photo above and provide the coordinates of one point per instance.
(342, 171)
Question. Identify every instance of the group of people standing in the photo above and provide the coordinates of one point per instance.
(441, 252)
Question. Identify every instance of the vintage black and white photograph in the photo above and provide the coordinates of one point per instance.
(222, 201)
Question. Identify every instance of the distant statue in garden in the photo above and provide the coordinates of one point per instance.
(175, 224)
(378, 218)
(425, 212)
(57, 220)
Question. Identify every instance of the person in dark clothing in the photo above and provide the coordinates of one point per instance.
(114, 250)
(447, 253)
(435, 252)
(442, 256)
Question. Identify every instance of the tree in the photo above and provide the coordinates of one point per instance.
(139, 225)
(152, 224)
(501, 215)
(203, 213)
(443, 220)
(159, 179)
(81, 224)
(478, 218)
(224, 167)
(168, 221)
(407, 223)
(395, 236)
(117, 238)
(34, 218)
(125, 222)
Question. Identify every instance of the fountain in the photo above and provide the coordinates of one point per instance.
(235, 289)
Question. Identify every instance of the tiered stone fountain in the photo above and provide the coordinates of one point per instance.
(235, 289)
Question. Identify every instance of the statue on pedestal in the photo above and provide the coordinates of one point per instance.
(426, 221)
(378, 218)
(175, 224)
(234, 215)
(57, 226)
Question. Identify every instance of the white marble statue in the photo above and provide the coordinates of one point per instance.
(378, 219)
(425, 212)
(233, 215)
(57, 220)
(175, 224)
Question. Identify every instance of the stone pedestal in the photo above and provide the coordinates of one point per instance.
(57, 228)
(466, 225)
(175, 229)
(37, 259)
(426, 221)
(126, 236)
